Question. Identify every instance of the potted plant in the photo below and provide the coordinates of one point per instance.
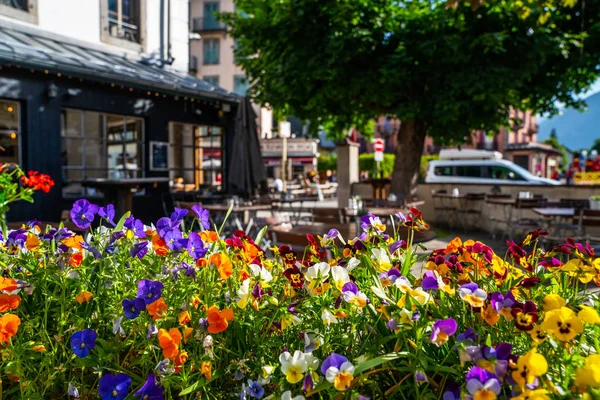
(594, 202)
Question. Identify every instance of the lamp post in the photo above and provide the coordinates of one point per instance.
(285, 131)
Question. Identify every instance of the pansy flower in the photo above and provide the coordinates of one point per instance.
(353, 296)
(9, 326)
(371, 221)
(503, 304)
(387, 278)
(206, 370)
(295, 276)
(82, 342)
(472, 294)
(495, 359)
(482, 384)
(525, 315)
(338, 370)
(293, 367)
(381, 259)
(537, 334)
(442, 330)
(81, 298)
(136, 227)
(255, 389)
(339, 277)
(562, 323)
(318, 273)
(139, 250)
(82, 213)
(132, 308)
(202, 215)
(169, 342)
(529, 367)
(218, 320)
(588, 376)
(108, 213)
(262, 274)
(433, 281)
(150, 390)
(195, 246)
(157, 309)
(150, 291)
(114, 387)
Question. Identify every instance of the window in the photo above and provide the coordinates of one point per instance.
(9, 131)
(212, 79)
(211, 9)
(240, 85)
(443, 171)
(195, 155)
(471, 171)
(122, 23)
(24, 10)
(500, 172)
(211, 51)
(96, 145)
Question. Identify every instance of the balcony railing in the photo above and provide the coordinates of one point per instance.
(18, 4)
(203, 24)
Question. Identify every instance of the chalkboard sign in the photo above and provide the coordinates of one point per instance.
(159, 156)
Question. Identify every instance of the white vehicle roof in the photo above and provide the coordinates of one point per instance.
(469, 154)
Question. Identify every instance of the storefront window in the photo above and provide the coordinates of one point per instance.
(9, 132)
(96, 145)
(195, 156)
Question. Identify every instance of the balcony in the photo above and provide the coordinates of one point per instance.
(207, 24)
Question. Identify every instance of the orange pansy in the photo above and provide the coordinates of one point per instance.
(187, 333)
(184, 318)
(202, 262)
(209, 236)
(169, 342)
(180, 360)
(74, 241)
(7, 284)
(243, 275)
(157, 309)
(217, 320)
(223, 264)
(32, 242)
(207, 370)
(9, 325)
(9, 302)
(83, 297)
(159, 245)
(76, 259)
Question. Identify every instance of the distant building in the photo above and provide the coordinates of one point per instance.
(99, 89)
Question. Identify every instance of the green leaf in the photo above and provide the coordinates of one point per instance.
(261, 235)
(226, 218)
(374, 362)
(190, 389)
(119, 226)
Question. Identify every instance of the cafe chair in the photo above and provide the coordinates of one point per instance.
(517, 223)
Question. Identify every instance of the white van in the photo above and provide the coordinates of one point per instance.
(480, 167)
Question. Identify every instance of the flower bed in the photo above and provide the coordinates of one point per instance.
(157, 311)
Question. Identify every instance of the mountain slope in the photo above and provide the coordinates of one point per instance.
(576, 130)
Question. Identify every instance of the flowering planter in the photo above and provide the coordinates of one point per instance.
(150, 310)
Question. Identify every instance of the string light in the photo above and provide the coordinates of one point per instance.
(156, 94)
(112, 85)
(46, 71)
(148, 93)
(9, 109)
(131, 89)
(59, 74)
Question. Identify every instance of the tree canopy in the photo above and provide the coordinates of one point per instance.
(444, 67)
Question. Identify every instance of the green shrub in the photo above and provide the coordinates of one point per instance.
(366, 162)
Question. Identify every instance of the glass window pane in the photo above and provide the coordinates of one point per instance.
(72, 155)
(94, 125)
(114, 135)
(9, 147)
(71, 188)
(9, 116)
(94, 154)
(71, 123)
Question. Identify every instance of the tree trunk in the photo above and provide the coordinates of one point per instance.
(409, 149)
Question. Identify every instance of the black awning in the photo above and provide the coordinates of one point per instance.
(33, 48)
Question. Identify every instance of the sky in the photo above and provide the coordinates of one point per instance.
(595, 88)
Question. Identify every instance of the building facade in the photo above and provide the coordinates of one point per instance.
(99, 90)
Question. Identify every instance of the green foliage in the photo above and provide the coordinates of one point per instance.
(596, 145)
(553, 141)
(366, 162)
(451, 65)
(327, 162)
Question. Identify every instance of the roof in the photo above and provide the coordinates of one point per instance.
(532, 146)
(34, 48)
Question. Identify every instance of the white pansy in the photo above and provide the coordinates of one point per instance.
(328, 317)
(340, 276)
(319, 271)
(382, 259)
(352, 263)
(244, 294)
(263, 274)
(293, 367)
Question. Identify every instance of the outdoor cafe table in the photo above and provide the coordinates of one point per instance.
(118, 191)
(348, 231)
(241, 215)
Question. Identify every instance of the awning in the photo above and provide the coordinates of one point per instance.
(274, 161)
(33, 48)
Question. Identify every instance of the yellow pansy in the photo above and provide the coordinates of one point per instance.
(589, 315)
(538, 394)
(589, 374)
(562, 323)
(83, 297)
(553, 301)
(529, 367)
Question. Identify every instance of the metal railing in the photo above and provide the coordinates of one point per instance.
(203, 24)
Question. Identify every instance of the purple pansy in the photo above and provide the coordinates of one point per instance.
(149, 291)
(195, 246)
(114, 387)
(91, 249)
(174, 239)
(442, 330)
(149, 390)
(108, 213)
(82, 342)
(82, 213)
(139, 250)
(430, 281)
(334, 360)
(136, 226)
(479, 379)
(178, 214)
(202, 215)
(132, 308)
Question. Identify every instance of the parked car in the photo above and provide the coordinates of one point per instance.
(480, 167)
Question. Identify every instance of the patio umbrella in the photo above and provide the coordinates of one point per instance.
(247, 169)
